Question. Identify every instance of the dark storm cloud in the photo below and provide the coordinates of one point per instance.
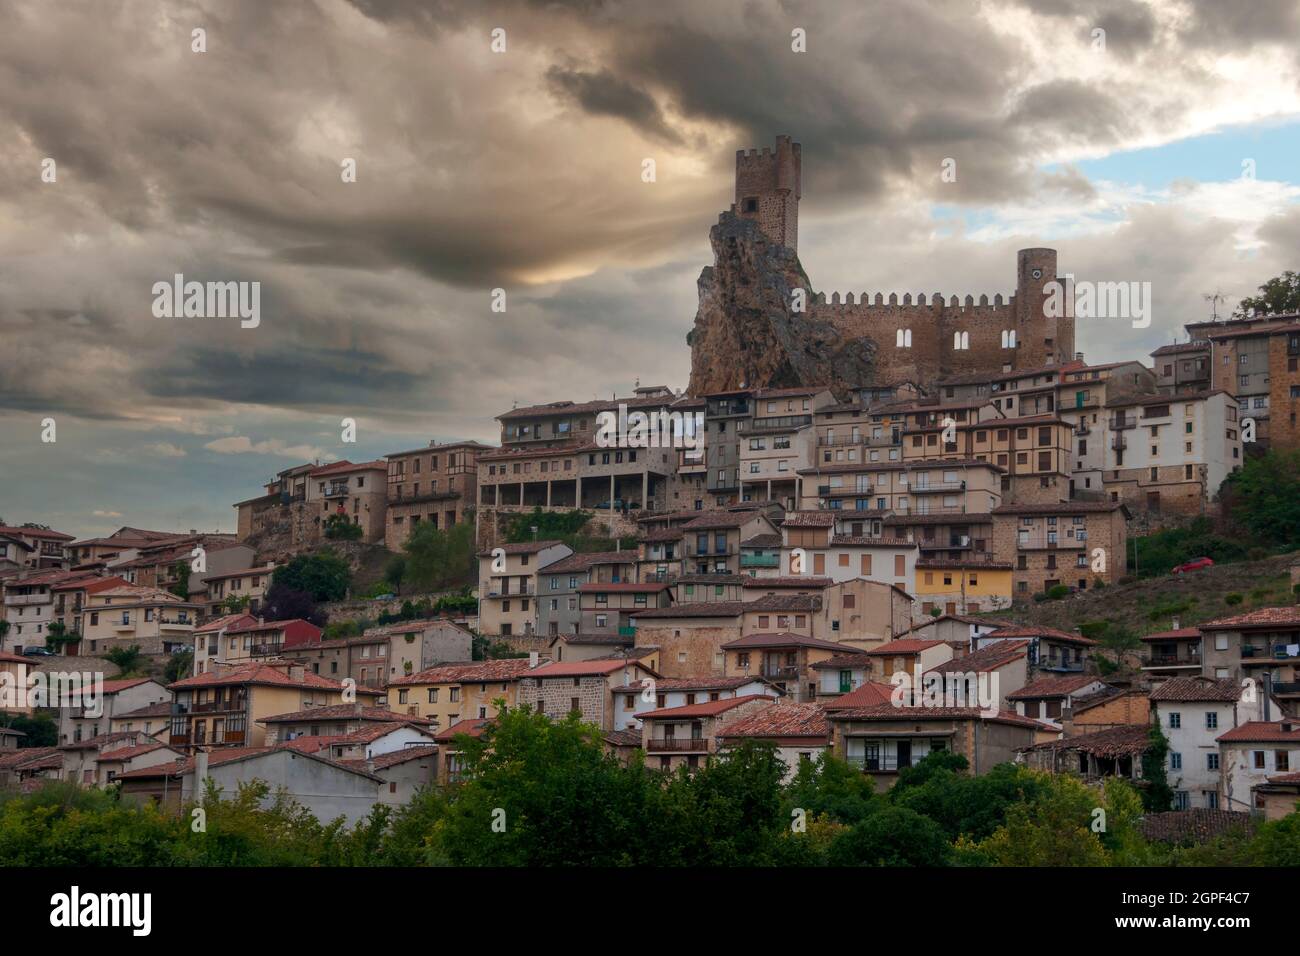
(478, 170)
(601, 93)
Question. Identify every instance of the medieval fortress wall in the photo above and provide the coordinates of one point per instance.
(919, 337)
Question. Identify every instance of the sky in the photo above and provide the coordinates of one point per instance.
(1161, 149)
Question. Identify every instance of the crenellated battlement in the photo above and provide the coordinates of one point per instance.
(936, 301)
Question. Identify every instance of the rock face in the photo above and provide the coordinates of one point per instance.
(746, 334)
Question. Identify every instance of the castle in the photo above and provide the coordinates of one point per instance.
(916, 338)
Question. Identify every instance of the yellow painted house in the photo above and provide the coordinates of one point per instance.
(224, 706)
(450, 693)
(961, 587)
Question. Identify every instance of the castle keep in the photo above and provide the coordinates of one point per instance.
(918, 338)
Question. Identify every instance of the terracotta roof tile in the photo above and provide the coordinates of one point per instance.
(468, 672)
(782, 720)
(1197, 689)
(1046, 687)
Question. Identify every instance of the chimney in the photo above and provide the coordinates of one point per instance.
(533, 659)
(1287, 727)
(1078, 356)
(297, 672)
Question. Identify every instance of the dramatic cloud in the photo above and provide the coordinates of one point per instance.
(522, 171)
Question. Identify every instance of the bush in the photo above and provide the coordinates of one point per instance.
(1233, 598)
(339, 528)
(1057, 592)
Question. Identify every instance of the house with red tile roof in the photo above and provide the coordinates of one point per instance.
(962, 631)
(449, 693)
(1278, 796)
(100, 706)
(909, 655)
(587, 687)
(882, 739)
(402, 773)
(225, 707)
(638, 697)
(784, 658)
(1051, 651)
(1174, 653)
(336, 720)
(674, 737)
(20, 766)
(242, 638)
(1106, 753)
(1250, 754)
(799, 732)
(1045, 698)
(1262, 645)
(14, 671)
(1192, 712)
(32, 548)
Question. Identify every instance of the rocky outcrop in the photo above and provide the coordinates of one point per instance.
(746, 333)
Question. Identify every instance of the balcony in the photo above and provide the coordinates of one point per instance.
(1121, 422)
(1172, 660)
(775, 423)
(677, 745)
(336, 491)
(1118, 443)
(938, 486)
(123, 627)
(883, 763)
(272, 649)
(760, 560)
(1286, 688)
(1064, 667)
(21, 600)
(781, 672)
(213, 707)
(1083, 429)
(177, 625)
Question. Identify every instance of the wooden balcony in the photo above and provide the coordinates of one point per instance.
(678, 745)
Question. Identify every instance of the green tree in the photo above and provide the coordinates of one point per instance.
(179, 666)
(1158, 796)
(892, 836)
(235, 604)
(1053, 829)
(338, 527)
(182, 586)
(1278, 296)
(40, 730)
(1263, 498)
(438, 558)
(129, 659)
(394, 572)
(325, 576)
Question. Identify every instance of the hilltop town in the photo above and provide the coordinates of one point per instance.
(830, 548)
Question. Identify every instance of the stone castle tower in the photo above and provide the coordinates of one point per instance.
(768, 189)
(919, 338)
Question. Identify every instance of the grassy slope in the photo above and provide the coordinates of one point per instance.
(1194, 597)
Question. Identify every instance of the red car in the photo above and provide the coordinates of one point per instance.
(1194, 565)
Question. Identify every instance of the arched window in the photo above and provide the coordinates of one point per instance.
(1008, 338)
(961, 340)
(903, 339)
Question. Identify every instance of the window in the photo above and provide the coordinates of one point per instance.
(1212, 761)
(1175, 761)
(1211, 721)
(1175, 720)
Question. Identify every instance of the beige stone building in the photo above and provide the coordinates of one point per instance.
(225, 707)
(1060, 544)
(437, 484)
(687, 736)
(508, 577)
(157, 621)
(456, 692)
(585, 687)
(358, 492)
(245, 585)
